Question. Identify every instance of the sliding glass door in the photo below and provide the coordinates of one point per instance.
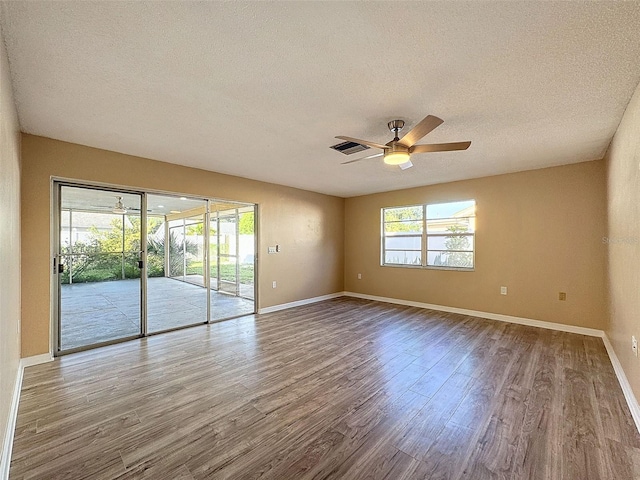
(176, 284)
(97, 266)
(128, 264)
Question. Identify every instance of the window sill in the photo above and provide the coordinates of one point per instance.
(422, 267)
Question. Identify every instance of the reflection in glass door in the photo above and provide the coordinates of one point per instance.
(97, 266)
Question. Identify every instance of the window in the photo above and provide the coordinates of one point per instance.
(440, 235)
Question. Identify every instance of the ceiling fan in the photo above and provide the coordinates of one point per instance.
(398, 151)
(119, 208)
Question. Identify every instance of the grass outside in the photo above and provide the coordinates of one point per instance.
(111, 269)
(227, 272)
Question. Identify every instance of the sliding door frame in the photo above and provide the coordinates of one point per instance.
(55, 258)
(55, 285)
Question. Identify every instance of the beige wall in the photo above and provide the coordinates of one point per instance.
(623, 203)
(9, 242)
(308, 226)
(538, 233)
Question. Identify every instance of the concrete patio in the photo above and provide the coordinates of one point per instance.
(102, 311)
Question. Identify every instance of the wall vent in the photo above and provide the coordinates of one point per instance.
(349, 147)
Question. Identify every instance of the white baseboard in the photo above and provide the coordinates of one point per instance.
(624, 383)
(7, 447)
(592, 332)
(299, 303)
(36, 360)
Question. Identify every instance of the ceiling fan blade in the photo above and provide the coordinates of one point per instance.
(426, 125)
(440, 147)
(138, 210)
(363, 158)
(363, 142)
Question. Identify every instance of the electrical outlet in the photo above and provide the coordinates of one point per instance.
(274, 284)
(634, 345)
(503, 290)
(562, 296)
(359, 276)
(271, 249)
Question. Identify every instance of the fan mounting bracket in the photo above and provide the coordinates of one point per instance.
(396, 125)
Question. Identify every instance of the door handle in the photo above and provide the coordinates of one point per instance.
(140, 264)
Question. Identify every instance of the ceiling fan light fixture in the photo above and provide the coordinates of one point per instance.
(396, 158)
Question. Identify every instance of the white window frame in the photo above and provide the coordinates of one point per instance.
(424, 239)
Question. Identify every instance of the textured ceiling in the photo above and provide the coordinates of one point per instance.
(259, 89)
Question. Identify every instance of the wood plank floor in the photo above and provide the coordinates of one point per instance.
(342, 389)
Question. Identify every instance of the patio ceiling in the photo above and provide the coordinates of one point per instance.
(89, 199)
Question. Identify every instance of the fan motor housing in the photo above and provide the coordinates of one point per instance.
(396, 147)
